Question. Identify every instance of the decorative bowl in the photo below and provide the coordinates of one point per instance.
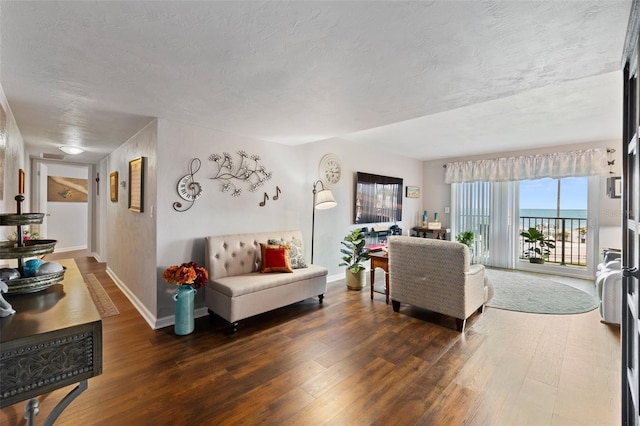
(31, 248)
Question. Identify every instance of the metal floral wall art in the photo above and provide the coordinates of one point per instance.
(249, 172)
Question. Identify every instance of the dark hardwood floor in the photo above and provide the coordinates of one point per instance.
(351, 361)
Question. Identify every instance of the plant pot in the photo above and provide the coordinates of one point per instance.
(184, 321)
(536, 260)
(355, 281)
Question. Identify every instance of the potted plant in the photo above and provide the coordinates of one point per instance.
(539, 246)
(465, 238)
(354, 253)
(583, 234)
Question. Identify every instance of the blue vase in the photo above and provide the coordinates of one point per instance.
(184, 309)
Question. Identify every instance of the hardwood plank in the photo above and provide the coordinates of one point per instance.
(350, 361)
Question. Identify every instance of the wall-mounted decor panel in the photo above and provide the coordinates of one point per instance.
(113, 186)
(136, 184)
(67, 189)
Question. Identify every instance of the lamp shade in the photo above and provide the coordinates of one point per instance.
(71, 150)
(325, 200)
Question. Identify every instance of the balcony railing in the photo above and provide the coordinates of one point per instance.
(570, 236)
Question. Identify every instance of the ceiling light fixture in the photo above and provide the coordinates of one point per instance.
(71, 150)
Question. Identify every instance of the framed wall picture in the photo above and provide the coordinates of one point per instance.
(413, 191)
(62, 189)
(136, 184)
(614, 187)
(21, 180)
(113, 186)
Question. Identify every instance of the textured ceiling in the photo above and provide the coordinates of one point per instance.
(428, 79)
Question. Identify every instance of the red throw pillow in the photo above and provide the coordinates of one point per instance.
(275, 258)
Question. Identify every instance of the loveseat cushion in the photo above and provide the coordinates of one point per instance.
(296, 251)
(238, 285)
(275, 258)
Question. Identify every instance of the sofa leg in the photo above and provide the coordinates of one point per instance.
(321, 297)
(212, 316)
(233, 327)
(396, 305)
(481, 309)
(460, 323)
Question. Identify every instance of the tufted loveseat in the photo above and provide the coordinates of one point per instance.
(237, 289)
(436, 275)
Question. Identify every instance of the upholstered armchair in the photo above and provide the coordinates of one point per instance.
(436, 275)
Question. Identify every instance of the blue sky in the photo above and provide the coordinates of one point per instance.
(542, 193)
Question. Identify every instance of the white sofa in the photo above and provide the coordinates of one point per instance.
(237, 289)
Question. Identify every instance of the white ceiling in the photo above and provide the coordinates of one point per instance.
(429, 79)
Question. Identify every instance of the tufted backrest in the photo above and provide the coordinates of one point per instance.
(237, 254)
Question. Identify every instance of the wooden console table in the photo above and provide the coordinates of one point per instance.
(380, 260)
(440, 234)
(53, 340)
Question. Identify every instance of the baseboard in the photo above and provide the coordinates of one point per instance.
(336, 277)
(171, 319)
(65, 249)
(154, 323)
(146, 314)
(552, 269)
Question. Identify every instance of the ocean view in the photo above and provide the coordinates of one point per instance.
(566, 213)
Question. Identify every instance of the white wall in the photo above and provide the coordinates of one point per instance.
(68, 222)
(103, 200)
(131, 236)
(14, 159)
(332, 225)
(180, 236)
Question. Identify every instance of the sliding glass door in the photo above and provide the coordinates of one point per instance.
(563, 210)
(558, 209)
(490, 211)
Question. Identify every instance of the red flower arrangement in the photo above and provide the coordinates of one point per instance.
(187, 273)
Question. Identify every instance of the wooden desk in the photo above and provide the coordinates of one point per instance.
(53, 340)
(380, 260)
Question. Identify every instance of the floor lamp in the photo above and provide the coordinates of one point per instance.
(322, 200)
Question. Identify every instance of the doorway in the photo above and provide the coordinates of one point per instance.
(63, 192)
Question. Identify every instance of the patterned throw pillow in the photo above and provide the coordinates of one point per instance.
(275, 258)
(296, 252)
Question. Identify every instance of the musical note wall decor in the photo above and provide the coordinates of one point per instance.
(188, 189)
(264, 200)
(274, 197)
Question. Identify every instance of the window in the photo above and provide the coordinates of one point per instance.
(557, 208)
(496, 212)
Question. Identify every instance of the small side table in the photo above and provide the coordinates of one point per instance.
(380, 260)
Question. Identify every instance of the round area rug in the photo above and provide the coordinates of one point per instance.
(537, 294)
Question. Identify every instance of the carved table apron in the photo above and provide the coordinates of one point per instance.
(53, 340)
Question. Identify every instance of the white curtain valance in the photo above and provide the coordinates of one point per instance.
(589, 162)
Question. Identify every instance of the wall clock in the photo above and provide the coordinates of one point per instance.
(188, 189)
(330, 169)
